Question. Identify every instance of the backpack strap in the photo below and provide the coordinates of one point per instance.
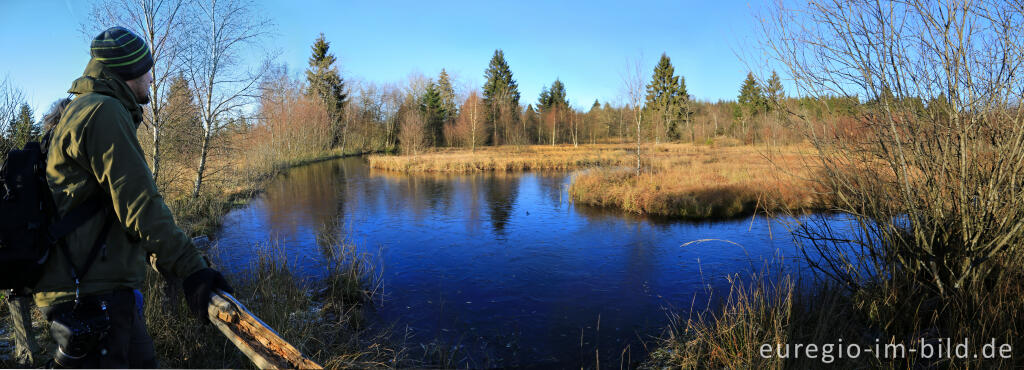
(97, 245)
(71, 221)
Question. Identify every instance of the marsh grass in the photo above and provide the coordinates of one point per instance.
(507, 158)
(720, 180)
(704, 182)
(321, 317)
(761, 310)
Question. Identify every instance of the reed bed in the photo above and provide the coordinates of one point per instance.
(705, 182)
(507, 158)
(719, 180)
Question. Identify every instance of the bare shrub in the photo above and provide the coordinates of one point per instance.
(413, 132)
(933, 186)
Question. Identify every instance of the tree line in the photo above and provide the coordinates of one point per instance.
(208, 108)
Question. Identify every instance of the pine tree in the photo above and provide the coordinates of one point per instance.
(21, 129)
(326, 83)
(665, 98)
(501, 93)
(596, 106)
(433, 115)
(447, 95)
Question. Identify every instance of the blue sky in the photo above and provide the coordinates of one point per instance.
(585, 44)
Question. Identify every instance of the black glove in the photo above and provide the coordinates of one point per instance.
(198, 287)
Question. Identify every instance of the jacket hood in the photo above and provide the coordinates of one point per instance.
(97, 79)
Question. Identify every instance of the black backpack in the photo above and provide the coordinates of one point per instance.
(29, 225)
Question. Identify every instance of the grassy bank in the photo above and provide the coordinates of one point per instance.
(719, 180)
(322, 318)
(704, 181)
(900, 317)
(244, 178)
(506, 158)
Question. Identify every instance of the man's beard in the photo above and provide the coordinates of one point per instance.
(142, 100)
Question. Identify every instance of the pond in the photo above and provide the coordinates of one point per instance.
(503, 267)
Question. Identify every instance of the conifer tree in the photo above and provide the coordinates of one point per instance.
(665, 98)
(433, 115)
(22, 129)
(553, 103)
(182, 125)
(773, 91)
(751, 97)
(447, 96)
(751, 100)
(501, 93)
(326, 83)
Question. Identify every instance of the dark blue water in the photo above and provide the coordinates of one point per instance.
(503, 267)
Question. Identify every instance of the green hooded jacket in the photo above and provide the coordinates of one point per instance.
(93, 149)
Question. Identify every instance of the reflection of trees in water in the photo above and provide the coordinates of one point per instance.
(501, 195)
(314, 193)
(424, 194)
(551, 188)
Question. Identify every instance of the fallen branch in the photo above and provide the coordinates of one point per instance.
(258, 341)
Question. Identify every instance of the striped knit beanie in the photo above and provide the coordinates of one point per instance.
(122, 52)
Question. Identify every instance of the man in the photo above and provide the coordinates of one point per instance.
(88, 289)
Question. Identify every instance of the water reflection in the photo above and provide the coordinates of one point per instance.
(503, 264)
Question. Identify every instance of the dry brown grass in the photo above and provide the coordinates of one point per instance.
(700, 181)
(680, 180)
(507, 158)
(759, 310)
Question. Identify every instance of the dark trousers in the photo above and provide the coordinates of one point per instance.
(26, 350)
(127, 344)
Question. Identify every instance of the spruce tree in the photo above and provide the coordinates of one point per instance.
(182, 124)
(751, 97)
(433, 115)
(558, 94)
(665, 97)
(773, 91)
(447, 95)
(326, 83)
(555, 96)
(500, 93)
(22, 129)
(553, 100)
(751, 101)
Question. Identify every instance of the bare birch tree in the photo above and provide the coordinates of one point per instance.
(634, 90)
(222, 31)
(11, 99)
(164, 24)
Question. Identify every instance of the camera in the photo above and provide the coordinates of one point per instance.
(79, 332)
